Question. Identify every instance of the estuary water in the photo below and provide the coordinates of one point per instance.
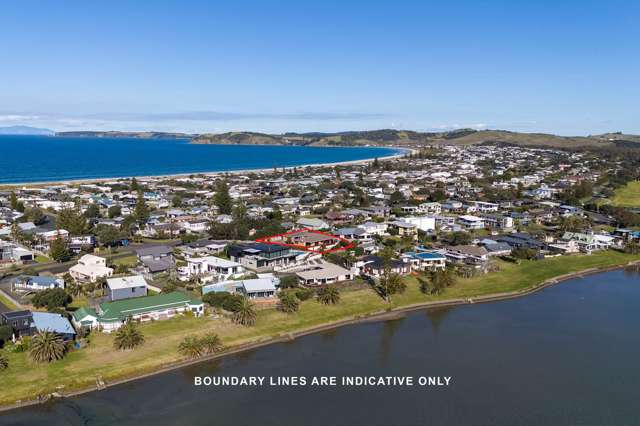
(46, 159)
(566, 355)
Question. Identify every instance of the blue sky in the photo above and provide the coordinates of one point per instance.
(570, 67)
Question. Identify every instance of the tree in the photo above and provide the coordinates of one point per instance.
(16, 233)
(47, 346)
(108, 235)
(329, 295)
(92, 211)
(4, 362)
(13, 200)
(134, 186)
(288, 281)
(58, 250)
(6, 333)
(141, 211)
(389, 282)
(212, 343)
(459, 238)
(35, 215)
(176, 201)
(114, 211)
(52, 298)
(632, 247)
(222, 199)
(239, 212)
(72, 220)
(128, 336)
(288, 303)
(245, 313)
(191, 347)
(438, 281)
(71, 285)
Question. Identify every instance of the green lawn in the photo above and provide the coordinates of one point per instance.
(6, 302)
(627, 196)
(126, 260)
(24, 380)
(42, 259)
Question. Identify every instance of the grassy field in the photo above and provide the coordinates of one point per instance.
(80, 369)
(627, 196)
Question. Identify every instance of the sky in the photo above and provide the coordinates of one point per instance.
(565, 67)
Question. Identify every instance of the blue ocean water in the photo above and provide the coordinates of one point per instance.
(45, 159)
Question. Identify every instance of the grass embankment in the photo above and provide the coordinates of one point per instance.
(628, 195)
(8, 303)
(24, 380)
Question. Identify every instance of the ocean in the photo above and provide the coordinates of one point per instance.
(48, 159)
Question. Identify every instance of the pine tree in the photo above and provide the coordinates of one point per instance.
(222, 198)
(58, 250)
(141, 211)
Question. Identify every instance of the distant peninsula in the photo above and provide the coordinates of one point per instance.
(25, 130)
(386, 137)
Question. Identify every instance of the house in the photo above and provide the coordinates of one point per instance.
(195, 225)
(497, 221)
(423, 223)
(90, 268)
(126, 287)
(589, 242)
(496, 248)
(84, 317)
(312, 223)
(156, 260)
(471, 222)
(21, 323)
(265, 257)
(431, 208)
(213, 267)
(484, 207)
(313, 240)
(520, 240)
(36, 283)
(263, 287)
(322, 274)
(112, 315)
(425, 260)
(467, 254)
(374, 266)
(374, 228)
(46, 321)
(404, 229)
(12, 252)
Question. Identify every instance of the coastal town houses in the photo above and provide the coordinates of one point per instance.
(119, 288)
(263, 287)
(112, 315)
(90, 268)
(36, 283)
(323, 273)
(210, 268)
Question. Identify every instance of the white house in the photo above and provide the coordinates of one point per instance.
(423, 223)
(213, 267)
(471, 222)
(90, 268)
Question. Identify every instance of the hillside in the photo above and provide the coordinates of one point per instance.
(25, 130)
(412, 138)
(116, 134)
(387, 137)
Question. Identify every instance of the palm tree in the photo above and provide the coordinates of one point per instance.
(128, 336)
(245, 313)
(212, 343)
(4, 362)
(329, 295)
(47, 346)
(191, 346)
(289, 303)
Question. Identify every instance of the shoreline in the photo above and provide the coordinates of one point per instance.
(401, 152)
(375, 316)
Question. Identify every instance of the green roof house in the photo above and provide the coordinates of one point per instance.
(111, 315)
(85, 317)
